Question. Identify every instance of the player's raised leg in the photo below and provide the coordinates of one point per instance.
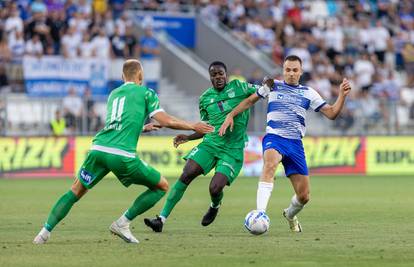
(217, 184)
(191, 170)
(271, 160)
(60, 210)
(144, 202)
(301, 185)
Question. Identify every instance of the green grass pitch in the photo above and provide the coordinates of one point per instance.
(350, 221)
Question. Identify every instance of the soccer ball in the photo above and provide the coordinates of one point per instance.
(257, 222)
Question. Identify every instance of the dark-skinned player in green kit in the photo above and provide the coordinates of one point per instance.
(224, 153)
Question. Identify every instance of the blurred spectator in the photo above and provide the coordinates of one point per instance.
(131, 48)
(72, 110)
(236, 74)
(34, 47)
(86, 48)
(149, 45)
(4, 82)
(70, 43)
(84, 7)
(381, 40)
(56, 22)
(5, 53)
(370, 109)
(58, 124)
(93, 121)
(38, 25)
(364, 70)
(16, 45)
(408, 56)
(38, 6)
(118, 44)
(13, 23)
(79, 22)
(102, 45)
(122, 23)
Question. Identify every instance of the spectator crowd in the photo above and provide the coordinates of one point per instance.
(371, 42)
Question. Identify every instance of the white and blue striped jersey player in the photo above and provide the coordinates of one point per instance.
(286, 122)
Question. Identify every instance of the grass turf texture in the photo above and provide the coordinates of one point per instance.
(350, 221)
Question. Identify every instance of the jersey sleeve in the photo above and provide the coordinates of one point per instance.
(317, 102)
(153, 103)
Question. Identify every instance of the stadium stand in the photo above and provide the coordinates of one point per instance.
(370, 42)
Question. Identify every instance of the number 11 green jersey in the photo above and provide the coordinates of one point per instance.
(127, 109)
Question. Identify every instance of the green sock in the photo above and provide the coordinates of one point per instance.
(144, 202)
(174, 196)
(60, 210)
(216, 201)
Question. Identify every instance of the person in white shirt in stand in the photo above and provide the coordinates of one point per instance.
(34, 47)
(102, 45)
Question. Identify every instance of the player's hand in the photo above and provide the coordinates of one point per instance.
(202, 128)
(228, 122)
(268, 81)
(151, 127)
(344, 87)
(180, 139)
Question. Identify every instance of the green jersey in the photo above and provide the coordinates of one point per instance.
(127, 109)
(215, 105)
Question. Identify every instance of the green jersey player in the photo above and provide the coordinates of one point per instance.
(114, 150)
(224, 153)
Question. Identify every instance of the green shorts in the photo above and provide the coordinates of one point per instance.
(128, 170)
(207, 156)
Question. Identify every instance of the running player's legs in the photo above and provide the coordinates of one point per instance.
(272, 155)
(199, 161)
(91, 172)
(297, 171)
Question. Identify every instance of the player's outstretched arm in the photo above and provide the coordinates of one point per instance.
(332, 111)
(245, 104)
(183, 138)
(168, 121)
(149, 127)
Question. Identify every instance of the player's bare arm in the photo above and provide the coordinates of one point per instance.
(245, 104)
(184, 138)
(166, 120)
(332, 111)
(149, 127)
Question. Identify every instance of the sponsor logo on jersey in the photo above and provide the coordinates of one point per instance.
(85, 176)
(300, 92)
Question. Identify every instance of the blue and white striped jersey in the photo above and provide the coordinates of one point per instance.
(286, 111)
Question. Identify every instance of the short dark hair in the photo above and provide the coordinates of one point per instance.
(293, 58)
(218, 63)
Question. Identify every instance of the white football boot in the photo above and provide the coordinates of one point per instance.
(293, 223)
(41, 237)
(123, 232)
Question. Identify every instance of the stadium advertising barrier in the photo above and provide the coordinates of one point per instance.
(388, 155)
(36, 157)
(61, 157)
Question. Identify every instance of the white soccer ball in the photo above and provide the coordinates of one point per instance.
(257, 222)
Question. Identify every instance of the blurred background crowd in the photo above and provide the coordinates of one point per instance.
(371, 42)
